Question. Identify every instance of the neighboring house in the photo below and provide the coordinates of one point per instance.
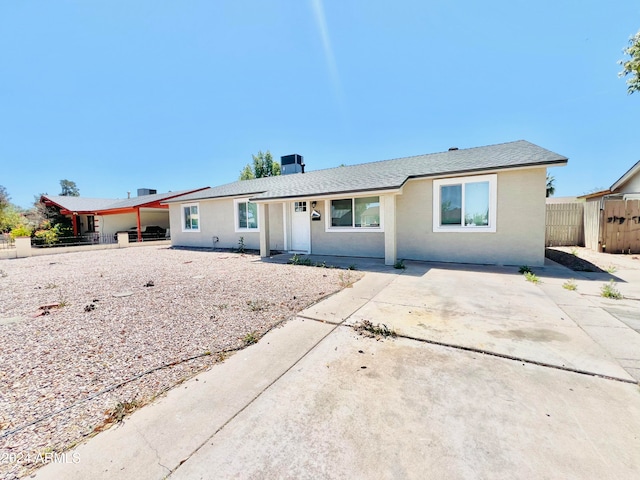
(478, 205)
(612, 216)
(106, 217)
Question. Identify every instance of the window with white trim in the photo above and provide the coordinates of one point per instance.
(465, 204)
(246, 216)
(190, 218)
(354, 213)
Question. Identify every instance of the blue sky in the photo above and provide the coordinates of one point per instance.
(118, 95)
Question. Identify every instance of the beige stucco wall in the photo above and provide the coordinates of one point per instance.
(518, 240)
(357, 244)
(520, 224)
(217, 219)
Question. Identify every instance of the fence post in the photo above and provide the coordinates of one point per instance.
(23, 247)
(123, 239)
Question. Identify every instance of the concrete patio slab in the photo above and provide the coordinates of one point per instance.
(418, 411)
(336, 308)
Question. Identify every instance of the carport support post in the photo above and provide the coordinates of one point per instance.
(138, 224)
(263, 218)
(390, 252)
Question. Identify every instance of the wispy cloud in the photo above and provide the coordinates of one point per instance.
(321, 21)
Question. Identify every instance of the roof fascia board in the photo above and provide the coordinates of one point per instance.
(481, 171)
(214, 197)
(627, 175)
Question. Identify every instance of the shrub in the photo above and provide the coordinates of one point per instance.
(21, 231)
(48, 237)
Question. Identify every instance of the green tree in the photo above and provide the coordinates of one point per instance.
(263, 166)
(247, 173)
(551, 188)
(10, 215)
(631, 67)
(69, 188)
(4, 198)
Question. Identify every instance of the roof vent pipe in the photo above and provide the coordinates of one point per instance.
(453, 149)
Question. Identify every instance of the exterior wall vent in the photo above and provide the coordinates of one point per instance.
(146, 191)
(291, 164)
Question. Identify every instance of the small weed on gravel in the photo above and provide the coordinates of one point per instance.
(525, 269)
(399, 265)
(574, 251)
(570, 285)
(611, 269)
(250, 338)
(353, 266)
(298, 260)
(121, 410)
(241, 246)
(257, 305)
(51, 285)
(609, 290)
(345, 280)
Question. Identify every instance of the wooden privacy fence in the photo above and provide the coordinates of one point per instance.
(592, 216)
(564, 224)
(621, 226)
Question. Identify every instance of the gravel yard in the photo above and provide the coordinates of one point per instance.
(121, 315)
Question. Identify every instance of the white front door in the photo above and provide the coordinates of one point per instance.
(300, 227)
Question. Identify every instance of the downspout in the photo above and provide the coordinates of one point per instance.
(138, 224)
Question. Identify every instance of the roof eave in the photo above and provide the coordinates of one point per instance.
(392, 189)
(627, 175)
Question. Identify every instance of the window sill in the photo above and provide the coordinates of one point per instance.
(355, 229)
(464, 229)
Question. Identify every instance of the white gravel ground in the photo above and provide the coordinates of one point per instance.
(59, 373)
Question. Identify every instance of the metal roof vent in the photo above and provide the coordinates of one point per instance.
(452, 149)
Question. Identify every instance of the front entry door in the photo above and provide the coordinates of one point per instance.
(300, 227)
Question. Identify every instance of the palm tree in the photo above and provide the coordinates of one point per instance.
(551, 188)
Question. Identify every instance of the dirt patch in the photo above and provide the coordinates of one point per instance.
(571, 261)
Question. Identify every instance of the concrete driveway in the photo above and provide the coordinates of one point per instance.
(491, 377)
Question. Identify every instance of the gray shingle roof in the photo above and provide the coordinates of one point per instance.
(80, 204)
(85, 204)
(137, 201)
(386, 174)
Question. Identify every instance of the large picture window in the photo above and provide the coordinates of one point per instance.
(465, 204)
(355, 213)
(246, 215)
(190, 218)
